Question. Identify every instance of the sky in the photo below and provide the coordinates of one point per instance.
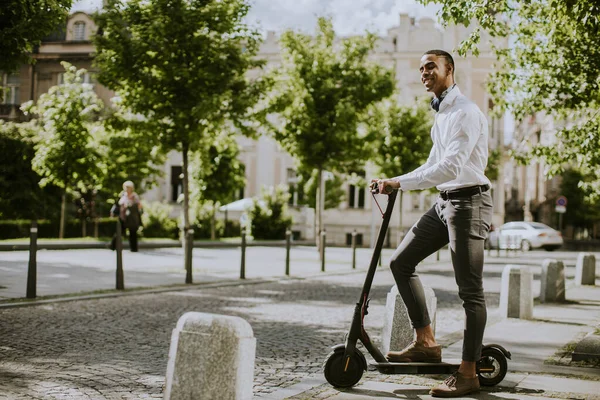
(349, 16)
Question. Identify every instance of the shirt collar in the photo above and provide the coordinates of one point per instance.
(437, 102)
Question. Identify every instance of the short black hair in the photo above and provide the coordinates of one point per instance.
(445, 54)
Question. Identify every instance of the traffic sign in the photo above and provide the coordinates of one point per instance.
(561, 209)
(561, 201)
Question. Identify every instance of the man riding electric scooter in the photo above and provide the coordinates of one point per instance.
(461, 217)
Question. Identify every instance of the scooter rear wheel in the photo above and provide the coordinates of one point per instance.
(492, 367)
(335, 364)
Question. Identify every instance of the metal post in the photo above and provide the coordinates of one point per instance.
(438, 255)
(119, 248)
(354, 249)
(32, 268)
(288, 241)
(323, 244)
(498, 243)
(189, 243)
(243, 263)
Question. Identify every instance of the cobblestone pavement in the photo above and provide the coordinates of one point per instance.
(116, 348)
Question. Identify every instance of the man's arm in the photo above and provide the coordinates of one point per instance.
(463, 137)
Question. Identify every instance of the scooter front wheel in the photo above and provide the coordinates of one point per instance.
(341, 372)
(492, 367)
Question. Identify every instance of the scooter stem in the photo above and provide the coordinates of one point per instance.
(357, 330)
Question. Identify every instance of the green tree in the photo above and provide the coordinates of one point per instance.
(318, 95)
(269, 219)
(560, 82)
(218, 174)
(307, 187)
(581, 213)
(23, 24)
(66, 153)
(131, 152)
(402, 137)
(182, 65)
(20, 194)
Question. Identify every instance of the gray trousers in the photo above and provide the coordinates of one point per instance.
(462, 223)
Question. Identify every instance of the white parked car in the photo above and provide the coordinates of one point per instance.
(525, 236)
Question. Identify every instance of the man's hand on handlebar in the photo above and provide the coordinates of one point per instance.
(383, 186)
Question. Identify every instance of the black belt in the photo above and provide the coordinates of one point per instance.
(463, 192)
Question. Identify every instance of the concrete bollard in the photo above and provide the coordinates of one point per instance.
(585, 270)
(553, 281)
(211, 357)
(516, 292)
(397, 329)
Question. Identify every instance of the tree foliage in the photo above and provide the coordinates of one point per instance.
(217, 174)
(549, 68)
(183, 71)
(20, 194)
(402, 135)
(66, 153)
(318, 95)
(270, 219)
(307, 189)
(581, 213)
(23, 24)
(131, 152)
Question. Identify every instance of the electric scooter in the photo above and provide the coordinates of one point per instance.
(345, 364)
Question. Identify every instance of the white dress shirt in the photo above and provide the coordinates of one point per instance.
(460, 148)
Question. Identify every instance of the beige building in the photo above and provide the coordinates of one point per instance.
(266, 163)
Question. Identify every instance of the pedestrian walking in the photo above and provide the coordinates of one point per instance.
(461, 217)
(129, 210)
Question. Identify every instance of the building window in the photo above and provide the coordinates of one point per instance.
(79, 31)
(10, 89)
(359, 239)
(356, 194)
(176, 182)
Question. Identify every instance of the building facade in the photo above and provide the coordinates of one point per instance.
(266, 163)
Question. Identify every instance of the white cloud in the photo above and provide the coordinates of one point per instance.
(349, 17)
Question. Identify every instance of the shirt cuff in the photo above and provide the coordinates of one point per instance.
(407, 182)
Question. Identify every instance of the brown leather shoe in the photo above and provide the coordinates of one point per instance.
(456, 385)
(417, 352)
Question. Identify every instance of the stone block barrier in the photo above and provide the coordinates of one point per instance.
(552, 282)
(516, 292)
(397, 328)
(585, 270)
(211, 357)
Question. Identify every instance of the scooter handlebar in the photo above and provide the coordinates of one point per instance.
(386, 189)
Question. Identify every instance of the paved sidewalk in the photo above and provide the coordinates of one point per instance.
(62, 272)
(116, 348)
(540, 366)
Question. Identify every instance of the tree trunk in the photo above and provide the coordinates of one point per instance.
(84, 227)
(213, 221)
(63, 207)
(320, 206)
(187, 237)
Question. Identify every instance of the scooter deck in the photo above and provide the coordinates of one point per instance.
(445, 367)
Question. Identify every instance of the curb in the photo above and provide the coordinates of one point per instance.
(23, 302)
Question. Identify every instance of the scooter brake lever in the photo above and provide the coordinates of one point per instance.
(367, 306)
